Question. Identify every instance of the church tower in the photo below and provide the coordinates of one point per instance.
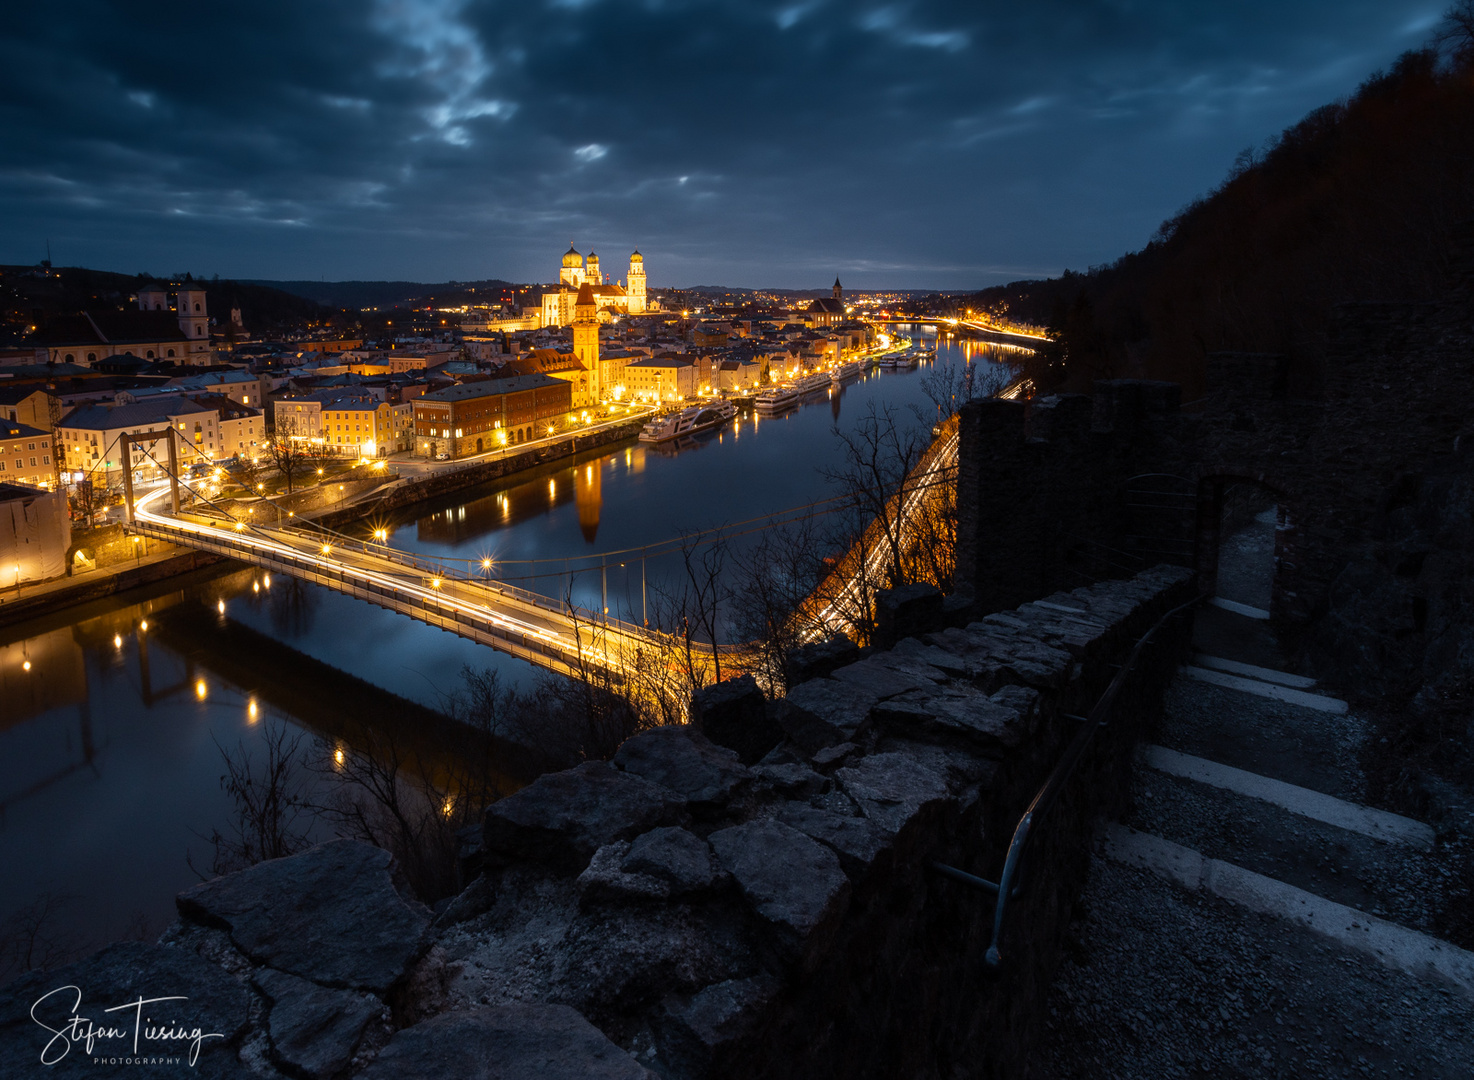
(636, 290)
(572, 272)
(194, 320)
(586, 343)
(838, 291)
(591, 272)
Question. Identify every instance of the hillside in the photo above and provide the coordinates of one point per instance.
(1359, 201)
(357, 295)
(29, 296)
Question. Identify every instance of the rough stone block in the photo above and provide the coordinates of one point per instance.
(819, 659)
(794, 884)
(605, 879)
(330, 914)
(793, 779)
(679, 858)
(906, 612)
(823, 712)
(886, 676)
(857, 841)
(699, 1035)
(505, 1042)
(214, 1002)
(957, 712)
(832, 756)
(734, 714)
(314, 1031)
(895, 792)
(561, 819)
(686, 762)
(939, 659)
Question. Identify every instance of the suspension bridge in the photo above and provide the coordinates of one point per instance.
(473, 604)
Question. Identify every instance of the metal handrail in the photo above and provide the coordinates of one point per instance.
(1007, 887)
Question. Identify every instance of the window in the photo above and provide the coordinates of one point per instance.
(30, 446)
(171, 352)
(68, 358)
(45, 459)
(91, 357)
(33, 463)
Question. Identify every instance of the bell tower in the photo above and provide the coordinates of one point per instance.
(585, 328)
(838, 291)
(194, 320)
(636, 290)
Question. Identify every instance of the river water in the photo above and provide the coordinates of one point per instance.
(112, 716)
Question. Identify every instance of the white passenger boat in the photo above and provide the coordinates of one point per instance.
(848, 370)
(809, 384)
(688, 421)
(775, 399)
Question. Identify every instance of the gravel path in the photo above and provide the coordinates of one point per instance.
(1160, 982)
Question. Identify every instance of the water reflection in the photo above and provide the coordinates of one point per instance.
(588, 497)
(110, 729)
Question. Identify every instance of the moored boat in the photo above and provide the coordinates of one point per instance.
(773, 399)
(688, 421)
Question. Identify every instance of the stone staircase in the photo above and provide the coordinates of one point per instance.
(1247, 826)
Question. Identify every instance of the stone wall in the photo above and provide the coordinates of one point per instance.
(1043, 485)
(679, 913)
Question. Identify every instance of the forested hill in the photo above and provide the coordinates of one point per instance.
(1359, 201)
(32, 295)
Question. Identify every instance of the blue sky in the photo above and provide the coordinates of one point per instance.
(920, 145)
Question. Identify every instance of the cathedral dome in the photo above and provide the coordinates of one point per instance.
(572, 258)
(637, 258)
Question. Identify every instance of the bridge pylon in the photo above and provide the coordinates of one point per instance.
(125, 448)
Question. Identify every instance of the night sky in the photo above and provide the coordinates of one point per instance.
(923, 145)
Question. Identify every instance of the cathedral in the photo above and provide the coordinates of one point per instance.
(610, 300)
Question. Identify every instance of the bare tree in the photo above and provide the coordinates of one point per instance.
(1455, 35)
(775, 579)
(952, 381)
(36, 937)
(272, 815)
(291, 449)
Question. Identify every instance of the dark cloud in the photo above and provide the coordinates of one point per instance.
(928, 143)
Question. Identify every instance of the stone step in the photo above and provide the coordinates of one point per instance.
(1252, 671)
(1238, 608)
(1394, 881)
(1353, 817)
(1267, 689)
(1388, 943)
(1305, 747)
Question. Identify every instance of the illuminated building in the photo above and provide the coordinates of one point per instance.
(25, 455)
(610, 300)
(156, 331)
(473, 417)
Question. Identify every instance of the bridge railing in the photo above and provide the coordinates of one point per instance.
(447, 616)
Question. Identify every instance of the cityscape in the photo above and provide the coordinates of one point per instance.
(910, 655)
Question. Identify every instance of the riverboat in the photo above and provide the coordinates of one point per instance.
(689, 421)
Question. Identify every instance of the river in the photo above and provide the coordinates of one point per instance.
(112, 715)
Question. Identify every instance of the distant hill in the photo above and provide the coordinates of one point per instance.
(30, 296)
(1360, 201)
(356, 295)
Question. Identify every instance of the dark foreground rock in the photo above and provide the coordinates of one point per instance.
(561, 819)
(331, 914)
(211, 1009)
(505, 1042)
(314, 1030)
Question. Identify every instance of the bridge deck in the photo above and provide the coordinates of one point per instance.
(514, 621)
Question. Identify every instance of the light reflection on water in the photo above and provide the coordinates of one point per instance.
(110, 716)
